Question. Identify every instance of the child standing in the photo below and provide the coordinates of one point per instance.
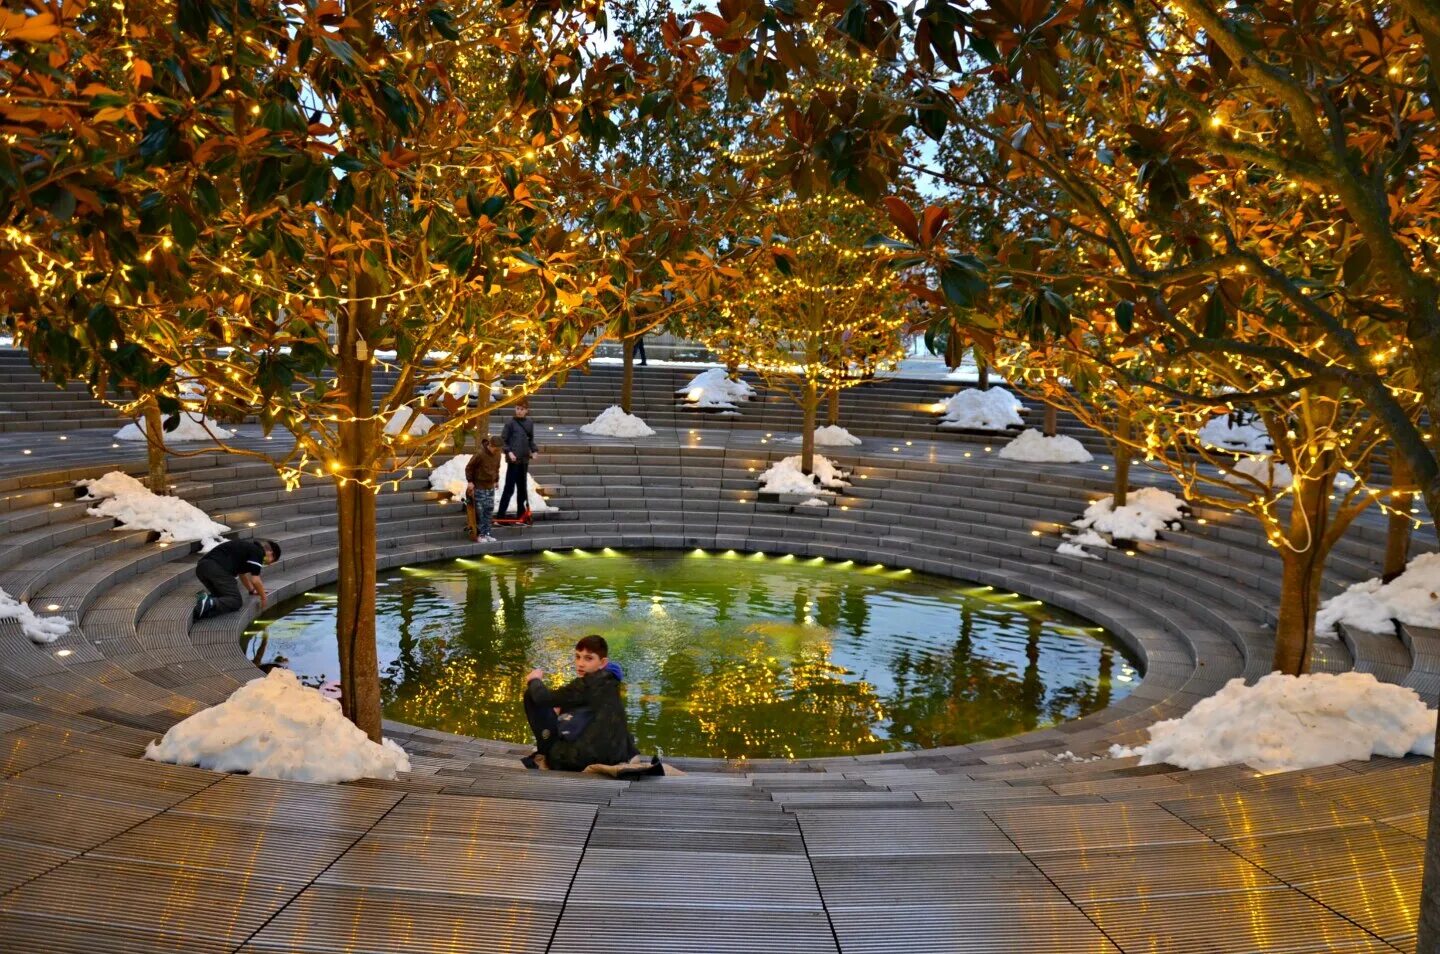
(517, 440)
(481, 475)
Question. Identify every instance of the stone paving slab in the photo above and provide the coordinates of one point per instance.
(327, 918)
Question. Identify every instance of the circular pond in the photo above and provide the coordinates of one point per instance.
(724, 654)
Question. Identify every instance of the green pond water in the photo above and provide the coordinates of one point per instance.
(725, 654)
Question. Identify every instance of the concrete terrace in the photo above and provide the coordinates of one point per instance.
(992, 847)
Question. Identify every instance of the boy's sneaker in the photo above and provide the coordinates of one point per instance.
(202, 603)
(487, 539)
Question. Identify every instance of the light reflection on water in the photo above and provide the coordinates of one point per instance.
(724, 654)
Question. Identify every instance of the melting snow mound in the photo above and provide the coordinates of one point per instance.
(1267, 471)
(1284, 723)
(401, 421)
(614, 422)
(785, 477)
(972, 409)
(833, 435)
(449, 478)
(1223, 433)
(276, 728)
(127, 500)
(192, 427)
(1413, 598)
(40, 629)
(714, 388)
(1034, 446)
(1147, 511)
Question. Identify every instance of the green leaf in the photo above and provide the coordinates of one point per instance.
(885, 241)
(207, 196)
(342, 50)
(492, 206)
(347, 163)
(344, 197)
(183, 228)
(1356, 269)
(193, 17)
(159, 135)
(444, 23)
(985, 49)
(317, 184)
(1125, 315)
(101, 320)
(1217, 316)
(264, 182)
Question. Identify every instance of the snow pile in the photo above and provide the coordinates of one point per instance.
(1035, 446)
(814, 502)
(785, 477)
(1068, 756)
(1283, 723)
(833, 435)
(127, 500)
(449, 478)
(972, 409)
(40, 629)
(1146, 512)
(1268, 471)
(1413, 598)
(276, 728)
(398, 422)
(192, 427)
(463, 389)
(1223, 433)
(1073, 549)
(714, 388)
(614, 422)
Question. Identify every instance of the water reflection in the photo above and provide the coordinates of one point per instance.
(762, 657)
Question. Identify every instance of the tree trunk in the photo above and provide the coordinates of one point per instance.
(158, 479)
(1122, 461)
(1397, 537)
(355, 498)
(627, 378)
(359, 665)
(1052, 421)
(807, 431)
(1302, 555)
(832, 411)
(983, 368)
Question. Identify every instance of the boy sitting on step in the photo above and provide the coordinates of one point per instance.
(583, 722)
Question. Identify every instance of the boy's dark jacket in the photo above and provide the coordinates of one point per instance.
(483, 468)
(607, 739)
(518, 438)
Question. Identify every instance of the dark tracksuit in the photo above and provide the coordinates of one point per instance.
(517, 438)
(606, 741)
(219, 568)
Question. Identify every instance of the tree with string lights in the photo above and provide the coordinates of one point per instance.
(1208, 168)
(814, 311)
(275, 200)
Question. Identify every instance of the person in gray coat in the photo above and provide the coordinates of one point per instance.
(517, 441)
